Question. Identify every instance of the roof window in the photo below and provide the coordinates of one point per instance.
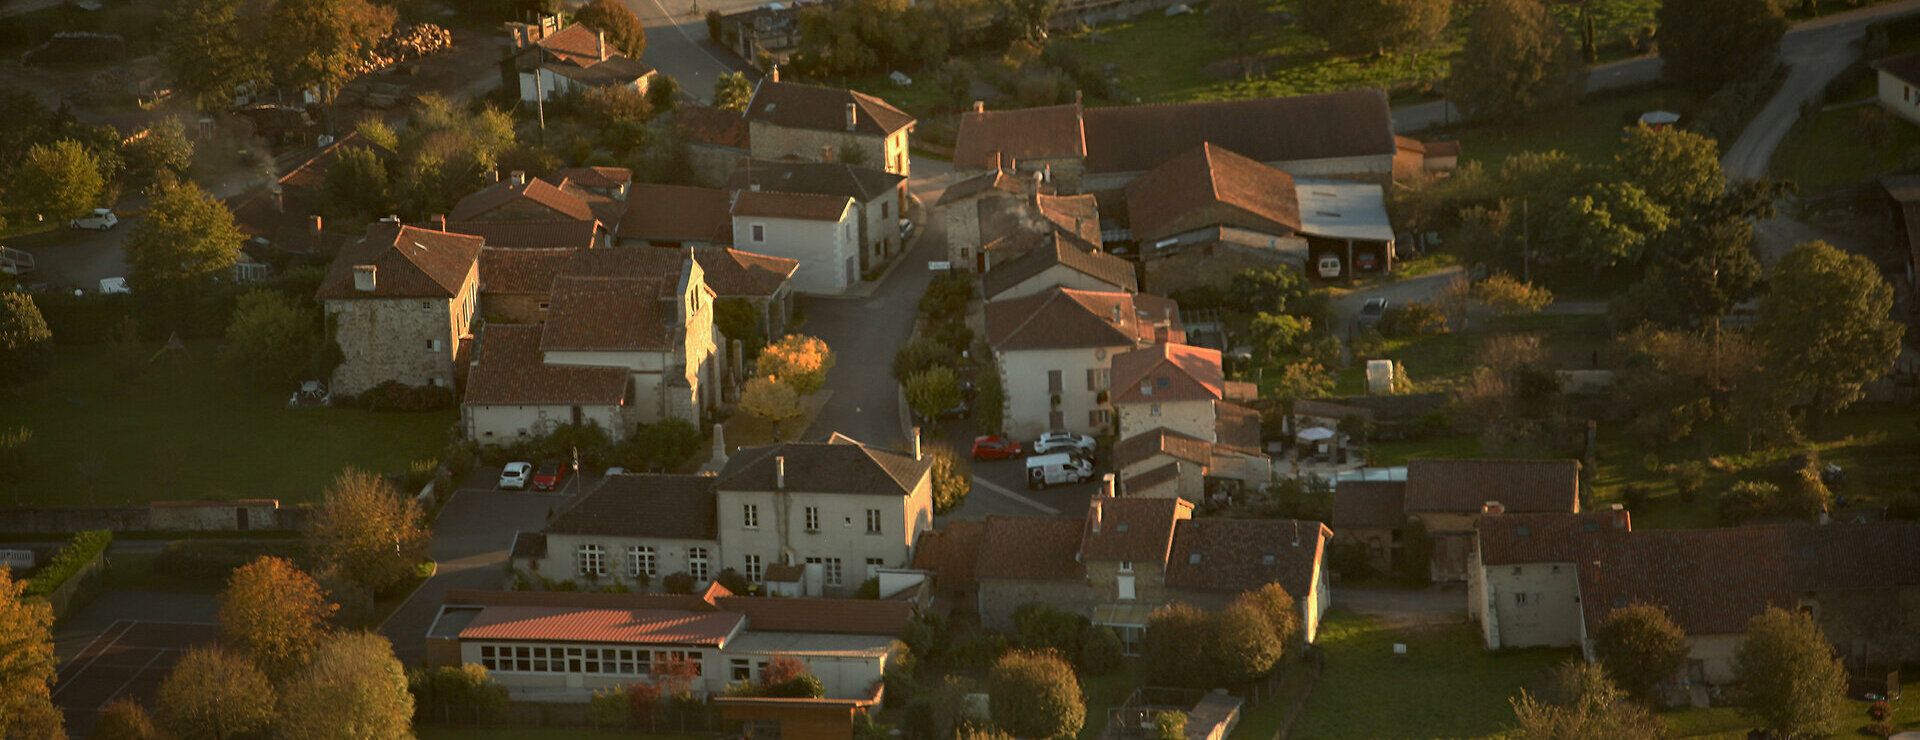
(1522, 530)
(1266, 559)
(1194, 559)
(1121, 527)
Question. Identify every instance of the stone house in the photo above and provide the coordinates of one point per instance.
(789, 120)
(1448, 497)
(878, 197)
(549, 61)
(1063, 261)
(821, 232)
(516, 285)
(1180, 434)
(1048, 141)
(765, 282)
(1209, 213)
(677, 216)
(513, 393)
(399, 301)
(282, 215)
(1054, 353)
(995, 218)
(717, 141)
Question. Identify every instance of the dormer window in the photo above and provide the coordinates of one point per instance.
(1126, 566)
(1266, 559)
(1193, 559)
(1121, 527)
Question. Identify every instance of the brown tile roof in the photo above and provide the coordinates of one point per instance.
(574, 599)
(1855, 556)
(863, 184)
(1138, 529)
(575, 43)
(1138, 484)
(1370, 504)
(410, 262)
(1330, 125)
(1710, 581)
(677, 507)
(607, 313)
(1067, 318)
(1161, 441)
(1051, 132)
(712, 126)
(574, 624)
(1535, 538)
(606, 209)
(825, 467)
(313, 173)
(952, 553)
(731, 272)
(521, 270)
(999, 182)
(1464, 486)
(531, 234)
(511, 370)
(831, 616)
(674, 212)
(545, 194)
(1233, 554)
(1207, 176)
(793, 105)
(1031, 549)
(1236, 429)
(785, 573)
(1905, 68)
(1167, 373)
(596, 177)
(802, 206)
(1078, 215)
(1059, 249)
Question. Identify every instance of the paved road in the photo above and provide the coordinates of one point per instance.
(677, 42)
(471, 541)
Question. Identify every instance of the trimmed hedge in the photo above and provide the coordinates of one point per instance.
(216, 559)
(67, 563)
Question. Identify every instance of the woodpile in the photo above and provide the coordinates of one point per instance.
(411, 42)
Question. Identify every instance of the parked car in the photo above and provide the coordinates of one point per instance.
(1371, 311)
(1047, 470)
(1063, 442)
(1366, 262)
(100, 219)
(989, 447)
(514, 476)
(616, 470)
(549, 476)
(906, 229)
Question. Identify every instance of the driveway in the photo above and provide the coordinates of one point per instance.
(471, 540)
(1346, 306)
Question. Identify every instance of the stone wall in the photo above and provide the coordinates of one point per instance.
(410, 340)
(161, 516)
(777, 142)
(998, 599)
(514, 308)
(1210, 264)
(712, 165)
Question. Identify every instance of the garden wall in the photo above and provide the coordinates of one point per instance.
(246, 515)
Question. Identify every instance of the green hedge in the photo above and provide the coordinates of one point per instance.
(67, 563)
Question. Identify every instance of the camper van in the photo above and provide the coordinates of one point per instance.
(1058, 468)
(1329, 266)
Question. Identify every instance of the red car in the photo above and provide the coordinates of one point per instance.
(549, 476)
(990, 447)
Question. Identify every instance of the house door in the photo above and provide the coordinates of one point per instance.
(1126, 586)
(1450, 555)
(240, 519)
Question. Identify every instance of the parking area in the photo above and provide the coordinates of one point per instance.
(130, 658)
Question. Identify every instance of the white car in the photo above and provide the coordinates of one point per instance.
(1063, 442)
(101, 219)
(515, 476)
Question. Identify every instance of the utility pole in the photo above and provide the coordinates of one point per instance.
(540, 94)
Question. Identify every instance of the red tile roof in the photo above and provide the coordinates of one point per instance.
(1066, 318)
(410, 262)
(663, 264)
(1140, 483)
(1710, 581)
(1536, 538)
(1464, 486)
(731, 272)
(595, 313)
(1031, 549)
(1162, 201)
(838, 466)
(804, 206)
(521, 270)
(1236, 429)
(675, 213)
(511, 370)
(1060, 249)
(1139, 529)
(312, 173)
(575, 599)
(793, 105)
(999, 182)
(638, 626)
(1233, 554)
(952, 553)
(1877, 555)
(531, 234)
(545, 194)
(1165, 373)
(1017, 135)
(596, 177)
(1334, 125)
(1369, 504)
(712, 126)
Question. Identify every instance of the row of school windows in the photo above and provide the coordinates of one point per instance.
(586, 660)
(591, 560)
(750, 518)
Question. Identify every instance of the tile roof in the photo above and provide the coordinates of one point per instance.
(731, 272)
(1134, 138)
(1370, 504)
(1051, 132)
(1001, 182)
(512, 370)
(674, 212)
(679, 507)
(313, 173)
(1236, 429)
(1905, 68)
(531, 234)
(569, 624)
(1534, 538)
(1463, 486)
(825, 467)
(1139, 529)
(1855, 556)
(793, 105)
(1233, 554)
(1161, 201)
(1710, 581)
(1141, 483)
(1066, 318)
(607, 313)
(863, 184)
(712, 126)
(831, 616)
(1060, 249)
(666, 265)
(545, 194)
(410, 262)
(521, 270)
(1031, 549)
(596, 177)
(802, 206)
(579, 600)
(1078, 215)
(952, 553)
(1166, 373)
(606, 209)
(576, 43)
(529, 545)
(1144, 446)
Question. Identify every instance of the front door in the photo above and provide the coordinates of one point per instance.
(1126, 586)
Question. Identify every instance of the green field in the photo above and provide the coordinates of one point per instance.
(193, 430)
(1835, 147)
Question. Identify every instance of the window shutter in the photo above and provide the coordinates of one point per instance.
(1093, 380)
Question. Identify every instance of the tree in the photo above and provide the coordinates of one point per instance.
(17, 462)
(162, 148)
(124, 719)
(1035, 695)
(611, 106)
(786, 677)
(318, 43)
(273, 337)
(1509, 297)
(1170, 725)
(354, 688)
(932, 391)
(1699, 271)
(357, 186)
(1676, 168)
(1788, 674)
(1641, 648)
(1516, 60)
(1824, 327)
(663, 93)
(1605, 225)
(621, 26)
(798, 360)
(952, 479)
(187, 239)
(1278, 336)
(1202, 650)
(368, 533)
(1237, 24)
(772, 399)
(1706, 44)
(1277, 605)
(213, 694)
(57, 181)
(1374, 26)
(27, 665)
(275, 613)
(1581, 702)
(1243, 644)
(209, 50)
(26, 345)
(732, 91)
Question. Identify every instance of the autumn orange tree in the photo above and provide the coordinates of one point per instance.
(797, 360)
(26, 665)
(771, 398)
(275, 613)
(213, 694)
(369, 534)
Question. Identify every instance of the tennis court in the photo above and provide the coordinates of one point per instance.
(129, 658)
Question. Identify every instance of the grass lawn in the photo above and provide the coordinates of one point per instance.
(1832, 149)
(1590, 130)
(1725, 723)
(1448, 686)
(436, 732)
(1103, 692)
(198, 430)
(1263, 721)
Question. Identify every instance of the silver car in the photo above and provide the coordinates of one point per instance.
(1063, 442)
(515, 476)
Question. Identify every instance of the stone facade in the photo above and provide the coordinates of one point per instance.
(1213, 264)
(779, 142)
(1527, 605)
(1192, 418)
(409, 340)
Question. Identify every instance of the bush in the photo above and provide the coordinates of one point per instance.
(920, 355)
(394, 395)
(67, 563)
(946, 298)
(1415, 318)
(610, 707)
(215, 559)
(1043, 627)
(731, 580)
(1102, 653)
(1687, 478)
(462, 693)
(667, 446)
(677, 583)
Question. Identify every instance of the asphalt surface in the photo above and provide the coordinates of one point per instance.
(678, 46)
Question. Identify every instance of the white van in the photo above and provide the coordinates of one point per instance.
(1047, 470)
(1329, 266)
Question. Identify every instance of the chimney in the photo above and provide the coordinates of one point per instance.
(1076, 97)
(519, 177)
(439, 221)
(279, 201)
(1046, 173)
(996, 161)
(916, 443)
(773, 75)
(363, 278)
(979, 106)
(853, 116)
(826, 153)
(780, 473)
(1493, 508)
(1093, 513)
(603, 46)
(313, 223)
(1106, 485)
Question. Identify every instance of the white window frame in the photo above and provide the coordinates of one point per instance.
(750, 516)
(590, 560)
(697, 564)
(874, 522)
(834, 575)
(641, 561)
(755, 571)
(813, 518)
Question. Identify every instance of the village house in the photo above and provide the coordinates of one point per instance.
(1055, 352)
(1208, 214)
(1180, 432)
(878, 198)
(539, 212)
(821, 232)
(763, 282)
(1059, 260)
(550, 61)
(677, 216)
(284, 215)
(824, 124)
(631, 530)
(399, 301)
(1899, 85)
(516, 285)
(1447, 497)
(997, 217)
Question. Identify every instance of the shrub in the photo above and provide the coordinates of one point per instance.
(68, 562)
(946, 298)
(1687, 478)
(1102, 653)
(921, 354)
(394, 395)
(1043, 627)
(677, 583)
(462, 693)
(1416, 318)
(610, 707)
(1035, 694)
(731, 580)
